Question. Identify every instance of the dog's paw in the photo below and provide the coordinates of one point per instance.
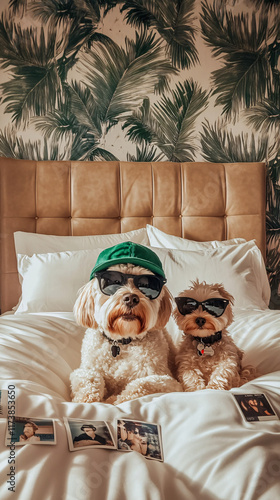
(191, 381)
(217, 386)
(86, 397)
(194, 387)
(111, 400)
(122, 398)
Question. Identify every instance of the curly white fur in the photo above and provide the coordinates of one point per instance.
(143, 366)
(222, 370)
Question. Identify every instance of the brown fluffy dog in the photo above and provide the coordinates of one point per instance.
(207, 356)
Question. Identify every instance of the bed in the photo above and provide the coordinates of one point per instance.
(203, 220)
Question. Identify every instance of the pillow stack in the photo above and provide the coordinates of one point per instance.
(53, 268)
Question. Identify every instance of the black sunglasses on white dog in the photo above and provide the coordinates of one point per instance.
(148, 284)
(216, 307)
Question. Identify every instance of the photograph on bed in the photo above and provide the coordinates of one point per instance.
(255, 407)
(27, 430)
(84, 434)
(143, 437)
(3, 403)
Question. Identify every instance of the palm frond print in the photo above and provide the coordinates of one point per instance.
(174, 22)
(265, 115)
(145, 154)
(141, 125)
(246, 75)
(266, 4)
(35, 86)
(120, 79)
(176, 117)
(220, 145)
(170, 123)
(14, 146)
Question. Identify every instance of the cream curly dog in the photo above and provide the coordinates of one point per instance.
(207, 356)
(126, 351)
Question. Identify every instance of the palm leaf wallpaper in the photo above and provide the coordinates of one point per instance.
(145, 80)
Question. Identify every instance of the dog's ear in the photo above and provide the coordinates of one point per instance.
(165, 309)
(84, 307)
(224, 293)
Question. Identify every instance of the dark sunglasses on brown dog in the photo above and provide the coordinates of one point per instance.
(148, 284)
(216, 307)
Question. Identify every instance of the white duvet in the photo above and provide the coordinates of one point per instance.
(210, 451)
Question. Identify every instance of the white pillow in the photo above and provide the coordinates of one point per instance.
(51, 281)
(237, 267)
(31, 243)
(158, 238)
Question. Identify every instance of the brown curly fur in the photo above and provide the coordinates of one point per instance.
(223, 370)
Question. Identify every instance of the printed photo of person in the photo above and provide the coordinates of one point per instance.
(25, 430)
(139, 436)
(28, 433)
(3, 403)
(86, 434)
(255, 407)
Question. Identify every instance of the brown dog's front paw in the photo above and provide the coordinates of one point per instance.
(199, 386)
(111, 400)
(121, 398)
(217, 387)
(191, 381)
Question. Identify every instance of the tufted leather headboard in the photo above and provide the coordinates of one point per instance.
(199, 201)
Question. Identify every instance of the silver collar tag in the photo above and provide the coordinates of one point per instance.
(204, 350)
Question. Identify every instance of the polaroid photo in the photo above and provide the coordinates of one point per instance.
(255, 407)
(143, 437)
(83, 434)
(3, 403)
(29, 430)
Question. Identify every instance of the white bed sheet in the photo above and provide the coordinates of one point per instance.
(210, 451)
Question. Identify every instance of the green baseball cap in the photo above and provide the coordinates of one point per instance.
(128, 252)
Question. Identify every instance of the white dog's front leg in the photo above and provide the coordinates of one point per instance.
(148, 385)
(87, 386)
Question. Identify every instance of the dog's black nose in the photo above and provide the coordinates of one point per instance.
(131, 300)
(200, 321)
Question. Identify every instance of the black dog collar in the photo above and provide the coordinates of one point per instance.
(115, 348)
(209, 340)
